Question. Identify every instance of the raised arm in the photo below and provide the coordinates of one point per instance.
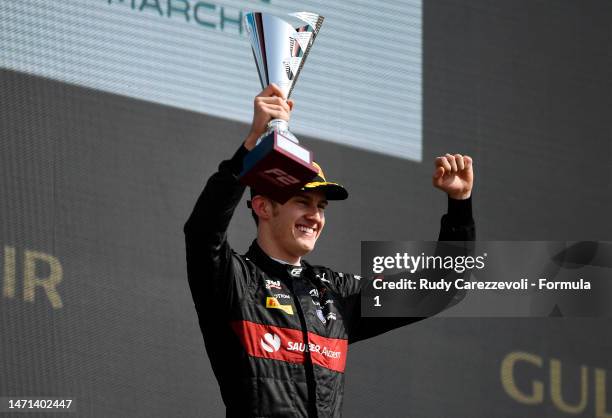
(454, 175)
(210, 265)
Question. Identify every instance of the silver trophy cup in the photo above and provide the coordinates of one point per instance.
(278, 166)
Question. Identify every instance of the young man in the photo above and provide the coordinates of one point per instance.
(276, 328)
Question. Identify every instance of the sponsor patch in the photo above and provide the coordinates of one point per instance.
(270, 342)
(273, 303)
(295, 272)
(281, 296)
(313, 348)
(320, 316)
(322, 278)
(273, 284)
(289, 345)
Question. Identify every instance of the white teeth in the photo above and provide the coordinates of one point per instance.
(305, 229)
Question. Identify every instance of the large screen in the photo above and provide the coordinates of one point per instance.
(361, 85)
(113, 115)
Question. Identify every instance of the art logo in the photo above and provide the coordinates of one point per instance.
(272, 342)
(273, 303)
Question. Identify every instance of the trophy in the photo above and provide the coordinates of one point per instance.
(279, 166)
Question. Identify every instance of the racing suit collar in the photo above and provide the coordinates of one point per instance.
(272, 267)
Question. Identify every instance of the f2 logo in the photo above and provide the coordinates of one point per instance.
(282, 177)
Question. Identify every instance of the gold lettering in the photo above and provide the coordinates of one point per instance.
(600, 394)
(30, 281)
(507, 378)
(556, 392)
(8, 289)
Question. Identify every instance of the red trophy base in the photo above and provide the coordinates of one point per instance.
(278, 167)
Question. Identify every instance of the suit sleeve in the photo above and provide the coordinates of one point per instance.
(211, 265)
(456, 225)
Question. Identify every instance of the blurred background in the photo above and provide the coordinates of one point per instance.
(114, 113)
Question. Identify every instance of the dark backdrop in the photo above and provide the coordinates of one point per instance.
(95, 188)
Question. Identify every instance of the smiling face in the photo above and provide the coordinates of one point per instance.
(292, 229)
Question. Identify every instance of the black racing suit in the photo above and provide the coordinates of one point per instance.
(277, 335)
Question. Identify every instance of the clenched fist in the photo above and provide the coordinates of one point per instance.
(454, 175)
(269, 104)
